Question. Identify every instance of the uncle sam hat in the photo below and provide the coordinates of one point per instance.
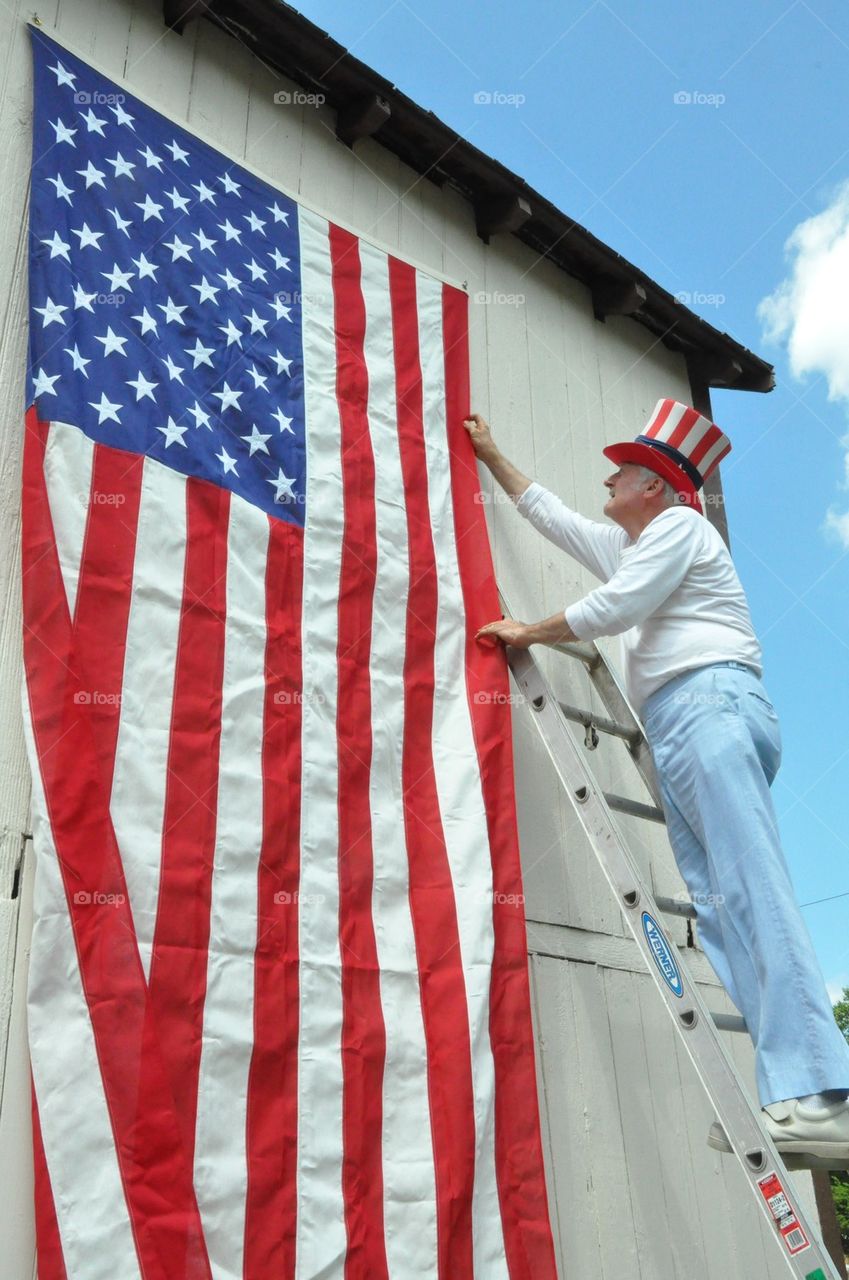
(679, 444)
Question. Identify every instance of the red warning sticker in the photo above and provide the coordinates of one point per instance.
(785, 1219)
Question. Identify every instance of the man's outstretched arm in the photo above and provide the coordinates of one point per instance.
(509, 477)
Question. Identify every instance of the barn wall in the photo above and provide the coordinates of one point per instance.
(635, 1191)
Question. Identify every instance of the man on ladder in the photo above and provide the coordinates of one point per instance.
(692, 667)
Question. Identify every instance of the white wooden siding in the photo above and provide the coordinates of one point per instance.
(635, 1191)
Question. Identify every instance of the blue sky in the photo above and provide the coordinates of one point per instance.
(736, 196)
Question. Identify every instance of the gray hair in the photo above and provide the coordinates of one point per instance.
(670, 495)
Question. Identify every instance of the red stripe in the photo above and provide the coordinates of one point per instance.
(272, 1113)
(181, 936)
(722, 454)
(432, 904)
(51, 1264)
(518, 1145)
(105, 590)
(363, 1030)
(688, 420)
(707, 442)
(156, 1176)
(654, 426)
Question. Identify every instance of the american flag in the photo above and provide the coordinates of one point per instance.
(279, 1017)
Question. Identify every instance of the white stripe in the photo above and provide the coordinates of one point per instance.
(459, 788)
(408, 1172)
(321, 1238)
(693, 436)
(137, 804)
(220, 1151)
(712, 454)
(676, 413)
(68, 461)
(91, 1209)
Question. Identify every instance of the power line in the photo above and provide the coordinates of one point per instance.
(817, 901)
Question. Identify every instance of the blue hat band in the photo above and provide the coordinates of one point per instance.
(678, 458)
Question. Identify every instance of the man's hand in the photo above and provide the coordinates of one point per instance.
(481, 437)
(508, 631)
(521, 635)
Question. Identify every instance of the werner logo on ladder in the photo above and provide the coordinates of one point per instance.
(692, 667)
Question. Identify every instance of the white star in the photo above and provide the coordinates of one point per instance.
(259, 379)
(177, 201)
(228, 397)
(106, 409)
(231, 187)
(87, 236)
(206, 291)
(93, 177)
(62, 192)
(256, 440)
(255, 223)
(120, 223)
(149, 208)
(147, 322)
(173, 434)
(283, 486)
(142, 387)
(42, 384)
(117, 278)
(283, 423)
(231, 281)
(79, 361)
(111, 342)
(179, 249)
(172, 311)
(283, 365)
(200, 354)
(94, 123)
(151, 160)
(230, 232)
(257, 272)
(177, 151)
(52, 312)
(232, 333)
(278, 260)
(63, 133)
(200, 416)
(204, 241)
(58, 248)
(205, 193)
(280, 215)
(281, 312)
(122, 167)
(258, 325)
(83, 299)
(121, 115)
(228, 463)
(145, 268)
(63, 76)
(175, 371)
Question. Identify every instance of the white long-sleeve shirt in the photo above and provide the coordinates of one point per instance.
(672, 594)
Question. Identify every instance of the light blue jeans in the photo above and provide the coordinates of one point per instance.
(716, 745)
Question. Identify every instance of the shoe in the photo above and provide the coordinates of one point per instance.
(808, 1138)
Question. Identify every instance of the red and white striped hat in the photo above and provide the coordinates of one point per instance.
(679, 444)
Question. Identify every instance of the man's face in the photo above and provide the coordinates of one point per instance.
(627, 490)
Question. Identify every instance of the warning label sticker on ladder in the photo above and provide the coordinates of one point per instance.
(785, 1219)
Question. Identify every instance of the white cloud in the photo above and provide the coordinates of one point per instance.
(807, 312)
(835, 986)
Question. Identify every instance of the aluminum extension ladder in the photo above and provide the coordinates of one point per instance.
(798, 1239)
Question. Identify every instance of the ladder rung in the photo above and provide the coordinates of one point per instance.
(587, 653)
(587, 718)
(676, 907)
(634, 807)
(729, 1021)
